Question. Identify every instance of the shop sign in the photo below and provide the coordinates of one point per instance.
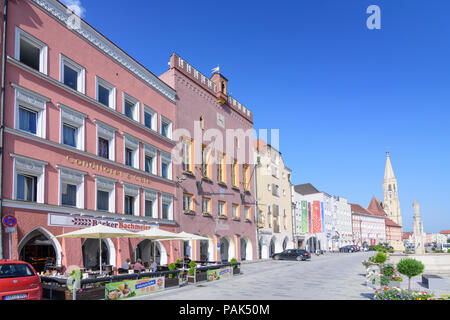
(65, 220)
(133, 288)
(219, 274)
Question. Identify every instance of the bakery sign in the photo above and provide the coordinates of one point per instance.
(72, 221)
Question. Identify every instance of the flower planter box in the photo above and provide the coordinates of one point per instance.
(191, 279)
(200, 276)
(236, 270)
(62, 293)
(171, 282)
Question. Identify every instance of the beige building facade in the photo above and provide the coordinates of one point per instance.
(274, 205)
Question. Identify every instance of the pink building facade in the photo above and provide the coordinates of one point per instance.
(87, 140)
(215, 193)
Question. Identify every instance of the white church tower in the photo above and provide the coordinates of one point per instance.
(391, 203)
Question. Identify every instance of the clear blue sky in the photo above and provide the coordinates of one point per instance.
(339, 93)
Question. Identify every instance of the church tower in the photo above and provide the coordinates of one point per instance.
(391, 204)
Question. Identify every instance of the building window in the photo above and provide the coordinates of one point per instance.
(149, 159)
(131, 151)
(206, 205)
(30, 111)
(129, 202)
(166, 128)
(131, 199)
(221, 168)
(166, 165)
(151, 204)
(166, 207)
(105, 141)
(188, 155)
(188, 202)
(235, 174)
(105, 200)
(222, 208)
(247, 213)
(28, 179)
(26, 187)
(235, 211)
(246, 177)
(72, 187)
(128, 157)
(206, 166)
(150, 118)
(72, 74)
(131, 107)
(72, 127)
(106, 93)
(31, 51)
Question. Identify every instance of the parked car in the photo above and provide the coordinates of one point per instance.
(356, 248)
(292, 254)
(19, 281)
(348, 248)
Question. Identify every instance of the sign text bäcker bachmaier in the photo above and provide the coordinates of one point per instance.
(64, 220)
(100, 167)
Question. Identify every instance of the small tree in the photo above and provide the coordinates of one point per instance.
(172, 267)
(410, 268)
(380, 258)
(233, 261)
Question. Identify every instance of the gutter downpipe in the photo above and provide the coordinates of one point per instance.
(2, 123)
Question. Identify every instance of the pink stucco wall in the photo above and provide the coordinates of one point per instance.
(60, 40)
(195, 101)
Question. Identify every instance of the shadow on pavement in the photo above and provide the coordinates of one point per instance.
(367, 295)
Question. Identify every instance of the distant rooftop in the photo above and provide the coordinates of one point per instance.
(305, 189)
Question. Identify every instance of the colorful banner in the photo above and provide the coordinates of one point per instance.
(304, 216)
(323, 218)
(309, 218)
(219, 274)
(317, 225)
(133, 288)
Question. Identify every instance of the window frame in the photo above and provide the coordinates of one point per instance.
(29, 167)
(135, 107)
(132, 190)
(112, 92)
(81, 73)
(76, 120)
(106, 185)
(74, 177)
(154, 122)
(108, 133)
(132, 144)
(164, 120)
(43, 48)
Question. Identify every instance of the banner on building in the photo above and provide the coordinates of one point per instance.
(75, 221)
(323, 218)
(133, 288)
(310, 230)
(317, 225)
(304, 216)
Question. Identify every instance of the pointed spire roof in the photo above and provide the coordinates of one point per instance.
(388, 172)
(375, 207)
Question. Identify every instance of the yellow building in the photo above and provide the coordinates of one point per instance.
(274, 204)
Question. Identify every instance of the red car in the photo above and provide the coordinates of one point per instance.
(19, 281)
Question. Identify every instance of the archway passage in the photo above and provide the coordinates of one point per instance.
(91, 253)
(312, 244)
(243, 249)
(285, 243)
(224, 248)
(204, 250)
(146, 250)
(38, 251)
(272, 247)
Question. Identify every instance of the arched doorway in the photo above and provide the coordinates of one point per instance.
(312, 244)
(206, 250)
(147, 249)
(285, 243)
(246, 249)
(38, 247)
(90, 250)
(272, 247)
(224, 249)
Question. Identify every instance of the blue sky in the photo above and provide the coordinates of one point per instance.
(339, 93)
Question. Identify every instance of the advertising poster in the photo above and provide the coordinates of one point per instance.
(323, 221)
(133, 288)
(219, 274)
(317, 228)
(309, 218)
(304, 216)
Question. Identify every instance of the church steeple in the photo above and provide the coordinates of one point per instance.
(391, 203)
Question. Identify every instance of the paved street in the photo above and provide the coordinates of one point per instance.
(337, 276)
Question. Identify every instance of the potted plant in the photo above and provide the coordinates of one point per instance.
(191, 272)
(236, 269)
(178, 263)
(172, 280)
(410, 268)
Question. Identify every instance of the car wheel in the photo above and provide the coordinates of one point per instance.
(276, 257)
(299, 258)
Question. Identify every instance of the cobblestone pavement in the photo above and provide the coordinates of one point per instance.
(337, 276)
